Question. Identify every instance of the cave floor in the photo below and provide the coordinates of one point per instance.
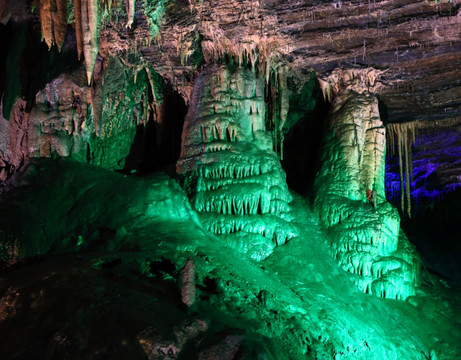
(102, 272)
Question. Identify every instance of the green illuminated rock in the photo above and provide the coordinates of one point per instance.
(232, 175)
(109, 279)
(351, 202)
(91, 124)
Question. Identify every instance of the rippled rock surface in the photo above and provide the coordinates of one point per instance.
(232, 175)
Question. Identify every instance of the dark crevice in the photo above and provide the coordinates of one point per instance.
(37, 65)
(157, 145)
(303, 145)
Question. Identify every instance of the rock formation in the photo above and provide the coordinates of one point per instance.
(216, 256)
(97, 125)
(232, 175)
(351, 201)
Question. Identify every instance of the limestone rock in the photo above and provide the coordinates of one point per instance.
(232, 175)
(71, 120)
(350, 199)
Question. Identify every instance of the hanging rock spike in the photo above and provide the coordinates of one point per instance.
(130, 7)
(78, 27)
(60, 22)
(46, 22)
(90, 30)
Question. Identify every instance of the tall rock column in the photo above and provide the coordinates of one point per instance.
(350, 200)
(231, 174)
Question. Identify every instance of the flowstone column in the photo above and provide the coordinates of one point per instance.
(231, 174)
(350, 200)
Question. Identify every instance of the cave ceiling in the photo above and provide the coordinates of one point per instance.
(415, 46)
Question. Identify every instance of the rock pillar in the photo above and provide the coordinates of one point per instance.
(231, 174)
(350, 200)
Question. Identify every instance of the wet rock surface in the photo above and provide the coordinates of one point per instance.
(120, 292)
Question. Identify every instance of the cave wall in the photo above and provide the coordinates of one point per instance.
(78, 110)
(69, 119)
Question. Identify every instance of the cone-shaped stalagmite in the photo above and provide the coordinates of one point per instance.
(90, 16)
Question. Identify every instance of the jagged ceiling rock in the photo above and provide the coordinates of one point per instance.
(417, 45)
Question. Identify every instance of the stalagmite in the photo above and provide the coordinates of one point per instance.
(232, 175)
(366, 239)
(188, 283)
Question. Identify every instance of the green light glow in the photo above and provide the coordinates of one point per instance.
(366, 238)
(232, 175)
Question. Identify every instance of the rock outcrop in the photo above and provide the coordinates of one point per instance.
(91, 124)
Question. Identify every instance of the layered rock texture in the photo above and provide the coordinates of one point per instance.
(232, 175)
(351, 202)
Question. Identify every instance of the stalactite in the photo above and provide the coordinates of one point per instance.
(78, 27)
(90, 27)
(46, 22)
(268, 69)
(53, 20)
(401, 134)
(327, 90)
(399, 141)
(390, 142)
(407, 176)
(284, 97)
(130, 12)
(60, 22)
(282, 138)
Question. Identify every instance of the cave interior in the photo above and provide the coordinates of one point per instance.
(234, 179)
